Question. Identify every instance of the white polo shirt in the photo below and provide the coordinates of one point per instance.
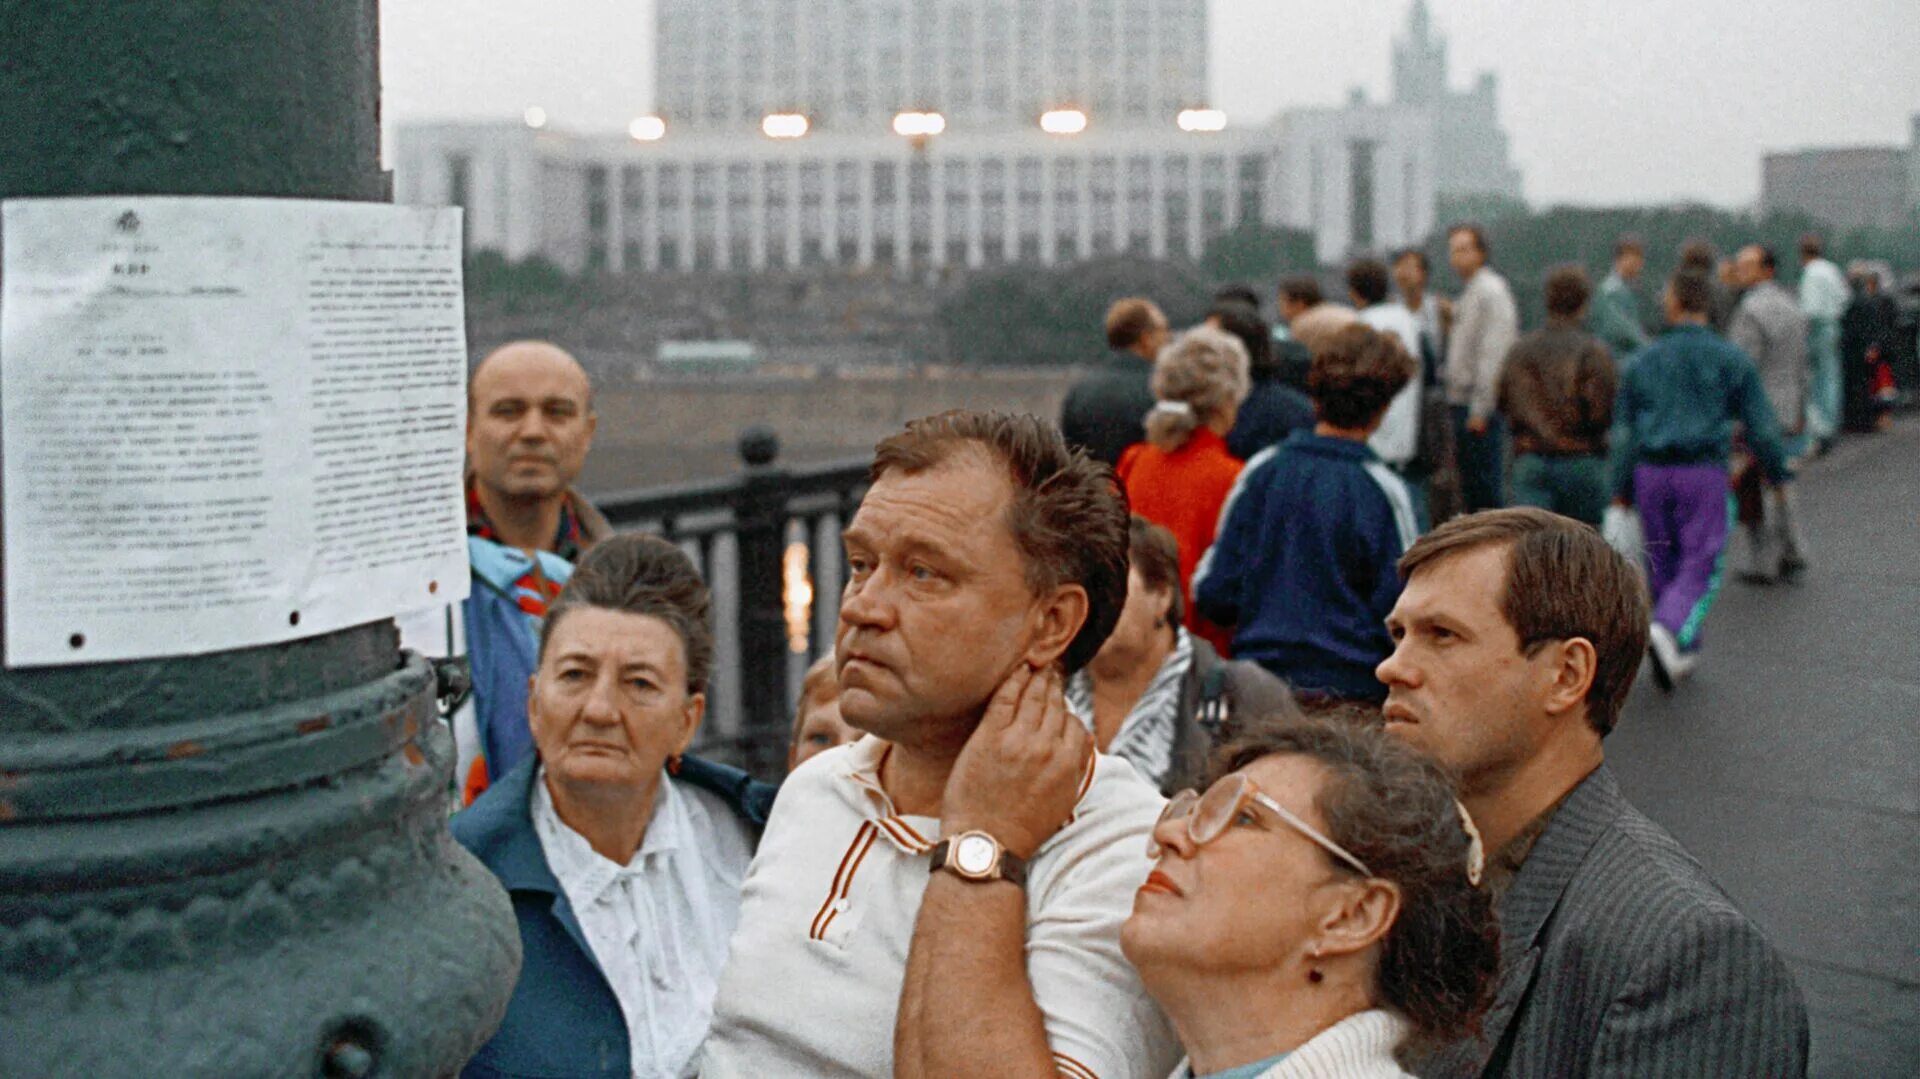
(813, 974)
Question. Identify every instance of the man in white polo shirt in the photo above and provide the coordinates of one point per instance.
(944, 897)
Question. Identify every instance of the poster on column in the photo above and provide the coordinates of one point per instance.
(225, 422)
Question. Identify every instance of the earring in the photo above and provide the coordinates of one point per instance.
(1313, 973)
(673, 765)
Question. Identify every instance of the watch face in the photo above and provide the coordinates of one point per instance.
(974, 854)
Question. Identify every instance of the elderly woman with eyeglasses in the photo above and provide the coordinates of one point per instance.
(1316, 910)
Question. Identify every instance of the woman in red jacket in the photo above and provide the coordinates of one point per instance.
(1179, 477)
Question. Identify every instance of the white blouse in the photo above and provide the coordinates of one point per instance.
(658, 926)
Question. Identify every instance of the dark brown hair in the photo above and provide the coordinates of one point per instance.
(1397, 812)
(1810, 245)
(1068, 516)
(1567, 290)
(1563, 581)
(1155, 554)
(640, 574)
(1131, 319)
(1691, 290)
(1302, 289)
(1697, 254)
(1356, 372)
(1367, 280)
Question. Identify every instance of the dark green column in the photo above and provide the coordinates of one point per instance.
(234, 864)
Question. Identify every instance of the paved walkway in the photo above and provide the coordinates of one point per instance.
(1790, 763)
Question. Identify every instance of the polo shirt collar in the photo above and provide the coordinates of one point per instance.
(859, 781)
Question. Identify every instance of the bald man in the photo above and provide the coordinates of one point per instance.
(530, 423)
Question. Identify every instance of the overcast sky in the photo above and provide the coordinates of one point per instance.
(1626, 101)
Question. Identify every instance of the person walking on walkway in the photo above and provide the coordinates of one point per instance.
(1769, 327)
(1557, 393)
(1675, 413)
(1103, 412)
(1616, 310)
(1824, 297)
(1484, 328)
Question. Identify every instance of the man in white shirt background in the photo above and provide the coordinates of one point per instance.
(1399, 434)
(944, 896)
(1823, 299)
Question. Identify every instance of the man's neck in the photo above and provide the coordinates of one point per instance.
(915, 778)
(1503, 806)
(1351, 434)
(1226, 1021)
(529, 524)
(1413, 300)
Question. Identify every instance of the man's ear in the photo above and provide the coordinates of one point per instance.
(1058, 618)
(1573, 664)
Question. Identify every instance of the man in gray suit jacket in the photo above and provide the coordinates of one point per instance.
(1516, 640)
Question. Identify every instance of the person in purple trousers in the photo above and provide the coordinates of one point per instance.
(1674, 419)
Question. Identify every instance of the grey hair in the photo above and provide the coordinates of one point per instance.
(1205, 369)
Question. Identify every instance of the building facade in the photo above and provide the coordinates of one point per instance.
(710, 190)
(1847, 188)
(850, 65)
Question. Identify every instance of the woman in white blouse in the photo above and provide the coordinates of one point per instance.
(1318, 911)
(623, 858)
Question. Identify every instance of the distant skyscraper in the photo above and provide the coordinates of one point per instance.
(1471, 144)
(851, 65)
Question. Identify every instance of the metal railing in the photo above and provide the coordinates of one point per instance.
(767, 541)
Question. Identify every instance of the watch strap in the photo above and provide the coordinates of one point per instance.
(1009, 867)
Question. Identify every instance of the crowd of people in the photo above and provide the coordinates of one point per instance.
(1250, 721)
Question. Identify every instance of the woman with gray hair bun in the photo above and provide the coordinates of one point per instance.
(1180, 476)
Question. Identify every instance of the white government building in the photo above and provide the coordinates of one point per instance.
(925, 134)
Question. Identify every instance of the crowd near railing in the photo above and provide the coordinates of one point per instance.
(767, 541)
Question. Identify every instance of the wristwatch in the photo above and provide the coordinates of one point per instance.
(977, 856)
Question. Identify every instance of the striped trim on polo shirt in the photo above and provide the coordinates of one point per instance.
(843, 879)
(1072, 1068)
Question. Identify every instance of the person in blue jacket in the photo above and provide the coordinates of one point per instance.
(1302, 566)
(622, 856)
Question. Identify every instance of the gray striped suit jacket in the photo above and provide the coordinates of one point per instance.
(1619, 957)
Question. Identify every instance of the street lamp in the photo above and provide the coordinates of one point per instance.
(535, 116)
(647, 129)
(919, 125)
(1063, 121)
(784, 125)
(1202, 120)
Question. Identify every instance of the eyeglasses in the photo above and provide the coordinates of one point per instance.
(1209, 815)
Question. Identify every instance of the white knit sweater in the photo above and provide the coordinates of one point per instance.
(1357, 1047)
